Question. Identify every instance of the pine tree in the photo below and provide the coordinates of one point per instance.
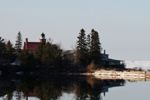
(9, 50)
(27, 59)
(2, 47)
(81, 49)
(51, 54)
(88, 41)
(9, 46)
(1, 40)
(95, 46)
(48, 54)
(18, 44)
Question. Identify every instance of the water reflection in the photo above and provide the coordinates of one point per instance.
(53, 88)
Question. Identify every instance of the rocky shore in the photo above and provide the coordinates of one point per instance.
(127, 75)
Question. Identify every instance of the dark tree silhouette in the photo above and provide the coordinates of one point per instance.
(49, 54)
(9, 54)
(18, 44)
(95, 46)
(88, 40)
(2, 47)
(81, 49)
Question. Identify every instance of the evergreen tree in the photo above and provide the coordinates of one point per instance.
(2, 47)
(95, 46)
(81, 49)
(9, 50)
(88, 40)
(9, 47)
(1, 40)
(49, 54)
(18, 44)
(27, 59)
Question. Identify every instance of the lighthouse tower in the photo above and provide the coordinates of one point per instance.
(43, 40)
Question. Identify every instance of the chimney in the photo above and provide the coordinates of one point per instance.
(104, 52)
(25, 44)
(26, 40)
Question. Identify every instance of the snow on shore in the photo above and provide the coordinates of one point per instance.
(137, 64)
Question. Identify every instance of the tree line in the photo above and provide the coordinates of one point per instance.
(48, 54)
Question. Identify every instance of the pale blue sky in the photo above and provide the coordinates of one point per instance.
(124, 25)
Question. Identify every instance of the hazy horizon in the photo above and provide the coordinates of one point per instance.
(123, 26)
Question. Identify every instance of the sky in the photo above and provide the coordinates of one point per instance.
(123, 25)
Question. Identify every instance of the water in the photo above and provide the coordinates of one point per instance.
(73, 88)
(131, 91)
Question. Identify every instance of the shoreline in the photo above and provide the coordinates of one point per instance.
(113, 74)
(126, 75)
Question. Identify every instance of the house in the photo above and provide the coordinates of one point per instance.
(69, 55)
(105, 60)
(33, 46)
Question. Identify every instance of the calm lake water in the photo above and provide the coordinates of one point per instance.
(73, 88)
